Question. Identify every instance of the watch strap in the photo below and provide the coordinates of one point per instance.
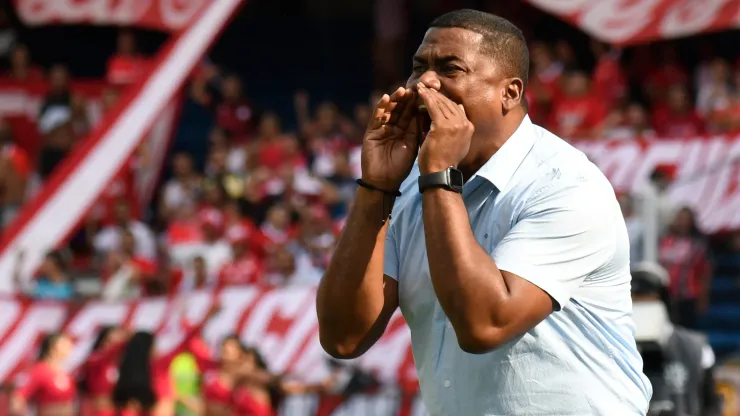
(440, 179)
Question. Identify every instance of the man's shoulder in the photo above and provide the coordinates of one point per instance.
(556, 169)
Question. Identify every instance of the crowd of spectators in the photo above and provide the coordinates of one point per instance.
(265, 205)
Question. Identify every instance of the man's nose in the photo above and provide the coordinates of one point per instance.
(430, 80)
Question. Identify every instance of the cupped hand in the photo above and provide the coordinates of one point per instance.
(391, 141)
(450, 133)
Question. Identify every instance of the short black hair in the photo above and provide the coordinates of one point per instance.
(503, 40)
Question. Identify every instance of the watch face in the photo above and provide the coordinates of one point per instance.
(456, 178)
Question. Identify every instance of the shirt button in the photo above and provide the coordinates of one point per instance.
(447, 383)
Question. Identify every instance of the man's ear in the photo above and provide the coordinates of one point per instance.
(512, 93)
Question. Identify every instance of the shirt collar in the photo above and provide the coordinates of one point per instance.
(501, 166)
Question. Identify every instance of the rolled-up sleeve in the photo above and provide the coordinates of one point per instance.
(563, 235)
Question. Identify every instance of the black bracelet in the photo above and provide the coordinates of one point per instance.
(389, 199)
(372, 188)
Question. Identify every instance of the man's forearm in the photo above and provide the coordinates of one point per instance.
(351, 295)
(469, 286)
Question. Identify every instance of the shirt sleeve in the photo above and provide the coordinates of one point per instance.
(564, 234)
(390, 256)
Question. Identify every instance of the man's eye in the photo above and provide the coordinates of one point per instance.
(418, 68)
(451, 68)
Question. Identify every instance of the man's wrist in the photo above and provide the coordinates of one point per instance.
(434, 167)
(370, 205)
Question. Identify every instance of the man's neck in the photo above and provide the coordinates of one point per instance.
(492, 143)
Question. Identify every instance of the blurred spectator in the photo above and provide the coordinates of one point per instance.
(8, 35)
(273, 148)
(283, 270)
(59, 94)
(127, 272)
(343, 181)
(110, 238)
(630, 124)
(546, 72)
(683, 251)
(565, 55)
(237, 154)
(235, 114)
(724, 114)
(277, 229)
(666, 74)
(678, 361)
(325, 140)
(219, 179)
(183, 236)
(214, 251)
(245, 267)
(21, 68)
(195, 277)
(316, 236)
(55, 126)
(577, 113)
(609, 81)
(15, 170)
(79, 118)
(182, 189)
(51, 281)
(715, 91)
(109, 98)
(126, 66)
(677, 118)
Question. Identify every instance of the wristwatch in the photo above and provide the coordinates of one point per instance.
(450, 179)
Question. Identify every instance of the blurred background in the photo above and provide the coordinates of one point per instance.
(159, 157)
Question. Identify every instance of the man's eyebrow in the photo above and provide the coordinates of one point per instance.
(440, 59)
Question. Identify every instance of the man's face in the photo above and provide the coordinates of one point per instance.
(454, 62)
(122, 212)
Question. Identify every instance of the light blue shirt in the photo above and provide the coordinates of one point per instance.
(546, 213)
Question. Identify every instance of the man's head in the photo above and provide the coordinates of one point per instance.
(19, 57)
(677, 99)
(478, 60)
(122, 212)
(59, 78)
(576, 84)
(126, 43)
(232, 88)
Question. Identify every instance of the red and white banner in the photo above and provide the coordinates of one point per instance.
(81, 178)
(165, 15)
(625, 22)
(281, 322)
(707, 173)
(20, 104)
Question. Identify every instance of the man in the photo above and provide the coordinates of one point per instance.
(678, 361)
(517, 291)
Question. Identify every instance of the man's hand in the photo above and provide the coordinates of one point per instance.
(448, 140)
(391, 141)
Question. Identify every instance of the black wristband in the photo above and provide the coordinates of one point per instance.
(389, 199)
(372, 188)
